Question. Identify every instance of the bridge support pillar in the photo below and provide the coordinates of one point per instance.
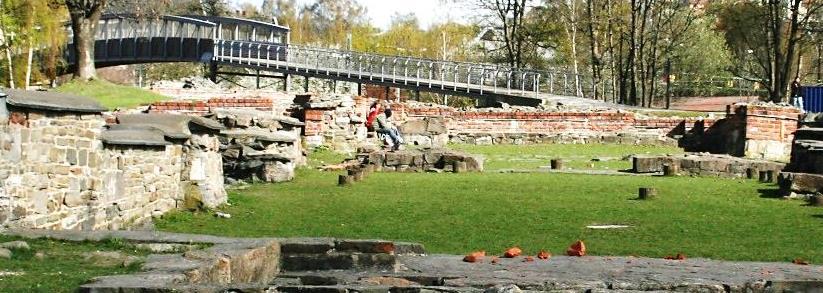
(417, 95)
(306, 84)
(388, 89)
(213, 72)
(359, 89)
(258, 79)
(286, 82)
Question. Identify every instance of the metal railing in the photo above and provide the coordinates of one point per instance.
(474, 78)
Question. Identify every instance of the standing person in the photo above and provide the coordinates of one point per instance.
(385, 126)
(797, 96)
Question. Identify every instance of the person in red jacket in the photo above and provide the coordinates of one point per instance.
(374, 110)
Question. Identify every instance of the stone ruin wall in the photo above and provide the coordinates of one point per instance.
(769, 131)
(527, 127)
(57, 174)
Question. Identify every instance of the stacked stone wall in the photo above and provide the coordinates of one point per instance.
(57, 174)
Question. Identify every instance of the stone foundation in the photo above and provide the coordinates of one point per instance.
(426, 160)
(60, 168)
(705, 165)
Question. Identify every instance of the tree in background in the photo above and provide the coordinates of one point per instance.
(84, 15)
(766, 37)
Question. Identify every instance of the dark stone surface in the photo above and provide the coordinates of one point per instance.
(133, 136)
(206, 123)
(307, 245)
(173, 126)
(52, 101)
(261, 134)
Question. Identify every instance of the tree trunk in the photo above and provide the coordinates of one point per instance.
(595, 50)
(84, 29)
(28, 65)
(11, 67)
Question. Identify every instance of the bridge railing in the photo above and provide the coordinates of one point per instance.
(476, 78)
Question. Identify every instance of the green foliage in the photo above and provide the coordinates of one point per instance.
(63, 268)
(111, 95)
(172, 71)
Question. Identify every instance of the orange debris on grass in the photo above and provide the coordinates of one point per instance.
(577, 249)
(512, 252)
(528, 259)
(475, 256)
(544, 254)
(800, 261)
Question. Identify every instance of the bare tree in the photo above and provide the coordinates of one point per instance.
(784, 41)
(508, 16)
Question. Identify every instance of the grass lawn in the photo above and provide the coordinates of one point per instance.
(63, 268)
(458, 213)
(576, 156)
(111, 95)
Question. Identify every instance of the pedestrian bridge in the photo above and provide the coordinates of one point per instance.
(262, 46)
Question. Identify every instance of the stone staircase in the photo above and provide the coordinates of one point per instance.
(333, 265)
(803, 176)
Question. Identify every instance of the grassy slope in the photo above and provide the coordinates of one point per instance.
(456, 213)
(62, 270)
(576, 156)
(111, 95)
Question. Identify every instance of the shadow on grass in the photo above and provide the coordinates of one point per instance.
(770, 193)
(818, 216)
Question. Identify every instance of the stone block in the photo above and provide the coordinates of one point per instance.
(641, 164)
(365, 246)
(311, 262)
(307, 245)
(376, 261)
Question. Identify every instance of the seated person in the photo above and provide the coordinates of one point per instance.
(385, 126)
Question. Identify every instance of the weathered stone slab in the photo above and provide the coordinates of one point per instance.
(306, 245)
(802, 183)
(207, 123)
(52, 101)
(365, 246)
(173, 126)
(261, 134)
(134, 136)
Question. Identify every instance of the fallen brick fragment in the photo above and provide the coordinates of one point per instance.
(512, 252)
(474, 256)
(577, 249)
(544, 254)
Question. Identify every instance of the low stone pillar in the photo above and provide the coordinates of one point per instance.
(751, 173)
(816, 200)
(671, 170)
(767, 176)
(345, 180)
(459, 167)
(647, 193)
(557, 164)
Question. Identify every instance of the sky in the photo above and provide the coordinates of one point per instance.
(380, 12)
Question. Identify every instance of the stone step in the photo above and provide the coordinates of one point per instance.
(372, 289)
(326, 245)
(339, 261)
(809, 133)
(329, 278)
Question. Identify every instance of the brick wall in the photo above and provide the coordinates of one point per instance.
(549, 122)
(204, 106)
(769, 130)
